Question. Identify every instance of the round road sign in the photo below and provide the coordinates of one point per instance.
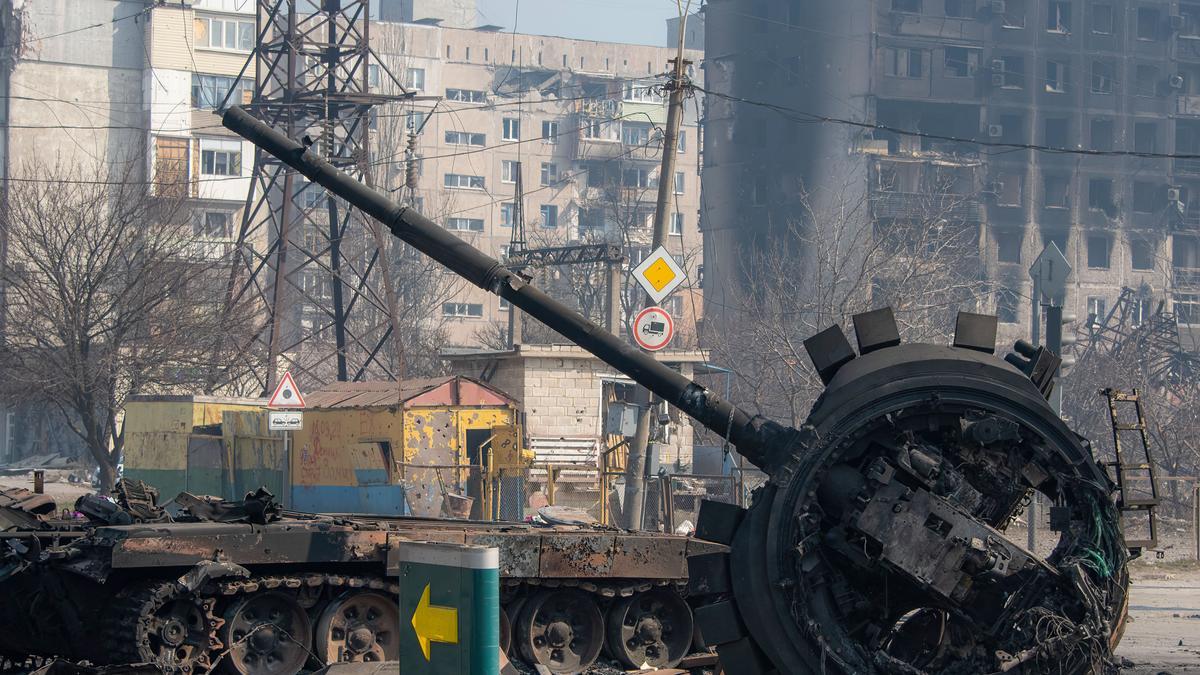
(653, 329)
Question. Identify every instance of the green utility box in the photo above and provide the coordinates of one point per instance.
(449, 608)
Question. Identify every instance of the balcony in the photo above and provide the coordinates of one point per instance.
(1187, 167)
(926, 206)
(1187, 277)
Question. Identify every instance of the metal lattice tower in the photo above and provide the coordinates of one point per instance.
(319, 269)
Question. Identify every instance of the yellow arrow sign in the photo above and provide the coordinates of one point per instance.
(434, 624)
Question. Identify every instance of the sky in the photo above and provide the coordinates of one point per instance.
(633, 21)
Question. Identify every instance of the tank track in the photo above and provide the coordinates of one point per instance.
(133, 631)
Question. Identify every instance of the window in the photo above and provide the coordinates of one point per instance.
(1008, 189)
(512, 129)
(640, 93)
(208, 91)
(680, 182)
(1100, 194)
(911, 6)
(509, 170)
(1058, 17)
(1056, 132)
(1147, 23)
(462, 310)
(1191, 20)
(505, 305)
(310, 195)
(508, 213)
(1146, 83)
(960, 9)
(414, 120)
(550, 131)
(466, 95)
(549, 216)
(902, 62)
(220, 33)
(1096, 309)
(1098, 249)
(677, 224)
(961, 62)
(1101, 137)
(220, 157)
(215, 225)
(465, 138)
(1056, 196)
(1102, 19)
(1009, 72)
(635, 133)
(1006, 305)
(1146, 197)
(465, 224)
(463, 182)
(637, 178)
(595, 129)
(1012, 129)
(591, 219)
(1056, 77)
(1141, 254)
(549, 173)
(1140, 311)
(1008, 246)
(1187, 308)
(1014, 14)
(1145, 137)
(1102, 77)
(414, 79)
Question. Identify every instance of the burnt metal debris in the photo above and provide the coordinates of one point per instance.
(878, 545)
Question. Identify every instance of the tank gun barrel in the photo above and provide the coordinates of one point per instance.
(754, 436)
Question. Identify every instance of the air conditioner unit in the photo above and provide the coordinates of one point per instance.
(1174, 194)
(999, 7)
(1176, 82)
(995, 130)
(997, 80)
(1176, 22)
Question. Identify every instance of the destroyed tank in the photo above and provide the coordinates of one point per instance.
(877, 545)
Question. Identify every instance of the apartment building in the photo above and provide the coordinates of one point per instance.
(1101, 87)
(581, 123)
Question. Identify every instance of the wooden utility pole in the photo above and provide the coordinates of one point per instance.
(635, 472)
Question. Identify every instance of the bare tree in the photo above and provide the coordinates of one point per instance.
(106, 297)
(848, 256)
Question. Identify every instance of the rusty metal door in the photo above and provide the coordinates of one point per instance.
(254, 456)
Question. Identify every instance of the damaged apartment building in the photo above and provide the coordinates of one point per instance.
(1030, 121)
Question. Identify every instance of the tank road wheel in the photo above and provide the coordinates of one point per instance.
(505, 631)
(359, 627)
(562, 630)
(162, 624)
(652, 628)
(268, 634)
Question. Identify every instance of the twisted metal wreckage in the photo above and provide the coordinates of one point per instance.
(877, 546)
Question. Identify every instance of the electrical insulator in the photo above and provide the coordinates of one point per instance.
(410, 173)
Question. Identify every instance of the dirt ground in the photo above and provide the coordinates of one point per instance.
(1163, 634)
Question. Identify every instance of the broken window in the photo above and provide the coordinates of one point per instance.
(1008, 245)
(462, 310)
(1147, 197)
(1056, 132)
(1145, 137)
(549, 216)
(1141, 254)
(903, 62)
(1148, 20)
(1008, 188)
(1146, 82)
(1058, 17)
(1056, 193)
(1102, 19)
(1191, 20)
(1056, 76)
(1097, 309)
(1098, 249)
(1187, 308)
(1100, 194)
(1012, 129)
(961, 62)
(171, 166)
(1014, 14)
(1103, 73)
(910, 6)
(960, 9)
(1101, 135)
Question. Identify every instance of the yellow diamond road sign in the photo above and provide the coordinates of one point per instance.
(659, 274)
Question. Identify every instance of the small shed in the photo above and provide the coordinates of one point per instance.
(380, 447)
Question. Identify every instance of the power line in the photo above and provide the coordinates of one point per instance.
(26, 41)
(797, 115)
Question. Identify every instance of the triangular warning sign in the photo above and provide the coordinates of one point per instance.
(287, 394)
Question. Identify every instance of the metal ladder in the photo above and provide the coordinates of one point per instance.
(1141, 466)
